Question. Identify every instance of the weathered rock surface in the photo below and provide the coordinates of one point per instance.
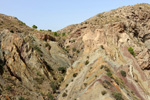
(97, 71)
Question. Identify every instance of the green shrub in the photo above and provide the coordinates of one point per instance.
(62, 69)
(54, 86)
(56, 34)
(75, 74)
(22, 98)
(49, 30)
(11, 31)
(123, 73)
(130, 49)
(74, 49)
(34, 26)
(8, 88)
(49, 95)
(117, 96)
(63, 34)
(109, 74)
(103, 92)
(64, 94)
(39, 80)
(78, 51)
(87, 62)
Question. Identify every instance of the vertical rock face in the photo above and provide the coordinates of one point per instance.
(113, 61)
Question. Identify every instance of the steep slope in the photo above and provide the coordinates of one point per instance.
(32, 64)
(111, 55)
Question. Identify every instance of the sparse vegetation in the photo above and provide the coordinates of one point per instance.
(73, 49)
(49, 95)
(22, 98)
(64, 94)
(109, 74)
(63, 34)
(103, 92)
(39, 80)
(117, 96)
(11, 31)
(123, 73)
(8, 88)
(130, 49)
(86, 62)
(54, 86)
(85, 84)
(75, 74)
(62, 69)
(34, 26)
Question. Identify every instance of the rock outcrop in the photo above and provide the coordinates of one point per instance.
(114, 56)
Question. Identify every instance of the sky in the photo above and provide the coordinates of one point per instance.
(57, 14)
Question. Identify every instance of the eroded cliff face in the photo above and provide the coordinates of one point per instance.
(105, 67)
(29, 62)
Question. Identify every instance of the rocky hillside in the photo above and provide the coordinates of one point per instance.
(111, 54)
(106, 57)
(32, 64)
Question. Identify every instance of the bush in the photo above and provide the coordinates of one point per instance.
(103, 92)
(75, 74)
(109, 74)
(55, 34)
(39, 80)
(50, 96)
(87, 62)
(8, 88)
(64, 94)
(21, 98)
(11, 31)
(123, 73)
(117, 96)
(74, 49)
(63, 34)
(54, 86)
(130, 49)
(49, 30)
(62, 69)
(34, 26)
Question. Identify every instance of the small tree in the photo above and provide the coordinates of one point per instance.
(34, 26)
(130, 49)
(123, 73)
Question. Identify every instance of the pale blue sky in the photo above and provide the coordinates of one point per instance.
(57, 14)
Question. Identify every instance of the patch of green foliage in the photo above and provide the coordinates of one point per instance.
(117, 96)
(123, 73)
(54, 86)
(11, 31)
(109, 74)
(63, 34)
(8, 88)
(62, 69)
(64, 94)
(86, 62)
(75, 74)
(56, 34)
(103, 92)
(49, 95)
(39, 80)
(130, 49)
(21, 98)
(34, 26)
